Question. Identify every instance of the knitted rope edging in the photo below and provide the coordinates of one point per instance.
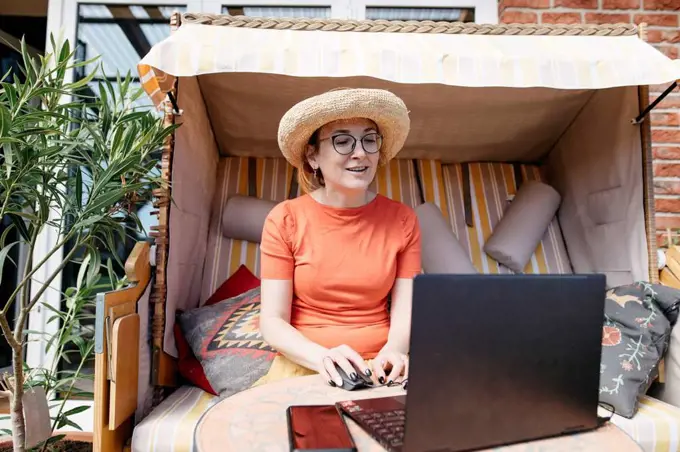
(398, 26)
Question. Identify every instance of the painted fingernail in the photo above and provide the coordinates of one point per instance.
(390, 382)
(381, 380)
(331, 382)
(354, 376)
(368, 372)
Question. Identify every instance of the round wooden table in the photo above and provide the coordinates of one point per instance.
(255, 420)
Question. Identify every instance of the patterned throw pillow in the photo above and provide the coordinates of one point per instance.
(226, 339)
(188, 366)
(635, 336)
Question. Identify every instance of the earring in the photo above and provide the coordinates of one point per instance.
(316, 170)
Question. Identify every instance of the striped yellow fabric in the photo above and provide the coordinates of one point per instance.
(155, 83)
(491, 185)
(586, 62)
(655, 427)
(170, 426)
(398, 180)
(224, 256)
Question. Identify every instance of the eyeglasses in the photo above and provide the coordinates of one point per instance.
(345, 144)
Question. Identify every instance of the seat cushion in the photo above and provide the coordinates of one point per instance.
(655, 427)
(170, 426)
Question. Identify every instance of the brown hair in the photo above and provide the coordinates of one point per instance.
(305, 175)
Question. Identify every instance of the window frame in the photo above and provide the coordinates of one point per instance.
(486, 11)
(338, 7)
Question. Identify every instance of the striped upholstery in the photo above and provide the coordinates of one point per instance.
(655, 427)
(491, 185)
(170, 426)
(396, 180)
(459, 59)
(224, 255)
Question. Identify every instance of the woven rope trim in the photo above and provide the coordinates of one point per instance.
(397, 26)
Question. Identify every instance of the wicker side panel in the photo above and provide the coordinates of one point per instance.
(648, 186)
(648, 175)
(163, 367)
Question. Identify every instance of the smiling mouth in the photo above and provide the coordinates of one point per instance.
(358, 169)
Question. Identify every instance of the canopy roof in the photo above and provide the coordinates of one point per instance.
(573, 57)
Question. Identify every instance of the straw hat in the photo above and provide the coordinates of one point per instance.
(382, 107)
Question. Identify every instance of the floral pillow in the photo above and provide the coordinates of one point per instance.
(226, 339)
(635, 336)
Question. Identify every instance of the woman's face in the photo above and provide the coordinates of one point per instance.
(348, 154)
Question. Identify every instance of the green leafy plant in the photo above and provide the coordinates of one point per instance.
(79, 165)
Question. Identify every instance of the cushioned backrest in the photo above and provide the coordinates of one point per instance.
(397, 180)
(491, 185)
(225, 255)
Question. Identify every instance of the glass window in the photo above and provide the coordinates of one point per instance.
(120, 35)
(436, 14)
(315, 12)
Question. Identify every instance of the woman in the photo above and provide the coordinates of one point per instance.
(331, 257)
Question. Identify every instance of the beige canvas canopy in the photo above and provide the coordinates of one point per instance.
(565, 96)
(514, 56)
(525, 82)
(560, 95)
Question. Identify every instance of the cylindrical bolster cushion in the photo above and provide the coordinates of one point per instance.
(523, 225)
(441, 251)
(243, 217)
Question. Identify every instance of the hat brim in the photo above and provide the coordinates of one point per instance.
(384, 108)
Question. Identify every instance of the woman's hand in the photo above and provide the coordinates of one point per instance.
(348, 359)
(394, 362)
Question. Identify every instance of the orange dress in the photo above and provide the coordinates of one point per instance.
(343, 263)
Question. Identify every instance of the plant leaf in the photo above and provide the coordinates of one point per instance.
(4, 253)
(82, 271)
(76, 410)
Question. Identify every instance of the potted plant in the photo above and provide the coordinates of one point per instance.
(79, 164)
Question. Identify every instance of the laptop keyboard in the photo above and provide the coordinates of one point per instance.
(388, 426)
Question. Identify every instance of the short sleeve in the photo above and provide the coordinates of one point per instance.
(409, 259)
(276, 251)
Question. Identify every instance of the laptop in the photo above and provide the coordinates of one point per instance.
(494, 360)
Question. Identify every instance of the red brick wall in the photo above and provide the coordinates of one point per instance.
(663, 32)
